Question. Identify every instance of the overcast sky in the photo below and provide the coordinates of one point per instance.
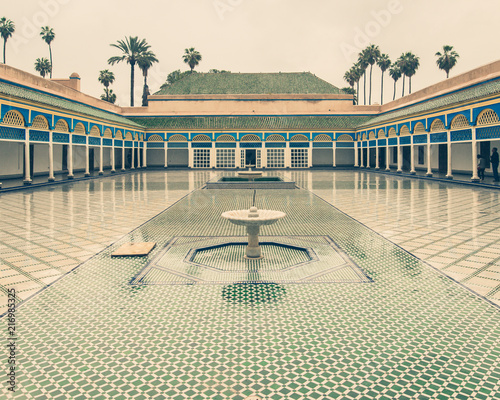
(320, 36)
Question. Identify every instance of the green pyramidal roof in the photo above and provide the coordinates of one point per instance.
(246, 83)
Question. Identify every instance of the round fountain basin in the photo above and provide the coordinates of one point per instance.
(265, 217)
(250, 174)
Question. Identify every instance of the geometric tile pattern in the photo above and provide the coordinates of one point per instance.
(202, 260)
(412, 333)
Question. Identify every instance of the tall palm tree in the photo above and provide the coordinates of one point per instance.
(395, 73)
(371, 54)
(447, 59)
(357, 74)
(106, 77)
(191, 57)
(7, 28)
(350, 77)
(145, 62)
(384, 63)
(412, 64)
(48, 35)
(132, 48)
(43, 66)
(363, 65)
(110, 97)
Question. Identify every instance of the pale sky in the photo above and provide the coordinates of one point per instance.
(320, 36)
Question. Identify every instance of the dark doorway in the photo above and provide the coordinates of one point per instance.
(128, 158)
(250, 158)
(91, 160)
(484, 150)
(64, 161)
(32, 158)
(406, 158)
(443, 158)
(381, 158)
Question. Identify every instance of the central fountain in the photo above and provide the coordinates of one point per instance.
(251, 175)
(253, 219)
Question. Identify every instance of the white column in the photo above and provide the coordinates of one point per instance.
(101, 158)
(138, 155)
(132, 166)
(367, 154)
(237, 156)
(190, 155)
(334, 150)
(412, 156)
(400, 158)
(70, 157)
(27, 170)
(51, 158)
(362, 161)
(166, 152)
(356, 156)
(87, 170)
(429, 166)
(309, 155)
(144, 154)
(288, 156)
(475, 176)
(213, 157)
(377, 163)
(449, 174)
(387, 155)
(113, 161)
(123, 155)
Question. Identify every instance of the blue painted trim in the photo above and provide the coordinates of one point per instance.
(79, 139)
(392, 141)
(107, 142)
(322, 144)
(275, 145)
(10, 133)
(153, 145)
(488, 132)
(177, 145)
(404, 140)
(381, 142)
(94, 141)
(419, 139)
(48, 117)
(250, 145)
(296, 145)
(85, 124)
(345, 144)
(39, 136)
(225, 145)
(23, 111)
(118, 143)
(440, 137)
(60, 137)
(201, 145)
(373, 143)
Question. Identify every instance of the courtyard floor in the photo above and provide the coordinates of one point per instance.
(396, 296)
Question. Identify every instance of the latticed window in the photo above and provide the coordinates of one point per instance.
(119, 134)
(177, 138)
(201, 138)
(299, 158)
(299, 138)
(128, 136)
(79, 128)
(14, 118)
(108, 133)
(487, 117)
(61, 126)
(381, 133)
(392, 133)
(275, 158)
(419, 128)
(226, 138)
(404, 131)
(225, 158)
(250, 138)
(275, 138)
(371, 135)
(322, 138)
(40, 122)
(344, 138)
(460, 121)
(95, 131)
(437, 126)
(155, 138)
(201, 158)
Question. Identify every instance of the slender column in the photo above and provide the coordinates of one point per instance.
(475, 176)
(190, 155)
(356, 155)
(166, 152)
(144, 154)
(133, 156)
(213, 157)
(334, 154)
(113, 161)
(263, 157)
(377, 162)
(400, 159)
(309, 156)
(51, 158)
(70, 158)
(387, 155)
(101, 158)
(412, 156)
(449, 174)
(288, 156)
(429, 166)
(87, 170)
(27, 169)
(367, 154)
(123, 155)
(237, 156)
(362, 161)
(138, 155)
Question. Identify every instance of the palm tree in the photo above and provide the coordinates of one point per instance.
(395, 73)
(447, 59)
(371, 54)
(350, 90)
(350, 77)
(48, 35)
(384, 63)
(43, 66)
(412, 64)
(145, 62)
(106, 77)
(132, 49)
(357, 73)
(363, 64)
(191, 57)
(110, 97)
(7, 28)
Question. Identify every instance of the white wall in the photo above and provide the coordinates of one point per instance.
(11, 159)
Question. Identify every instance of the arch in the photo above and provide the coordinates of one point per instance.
(61, 126)
(437, 126)
(201, 138)
(392, 133)
(14, 118)
(177, 138)
(322, 138)
(487, 117)
(95, 131)
(40, 122)
(275, 138)
(460, 121)
(79, 128)
(250, 138)
(128, 136)
(108, 133)
(155, 138)
(404, 131)
(371, 135)
(299, 138)
(345, 138)
(381, 133)
(119, 134)
(225, 138)
(419, 128)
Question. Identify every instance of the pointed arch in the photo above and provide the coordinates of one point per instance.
(108, 133)
(381, 133)
(371, 135)
(392, 133)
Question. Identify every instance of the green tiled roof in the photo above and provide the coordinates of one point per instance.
(468, 94)
(250, 122)
(261, 83)
(51, 100)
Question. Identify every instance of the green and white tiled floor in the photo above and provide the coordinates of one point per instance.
(410, 333)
